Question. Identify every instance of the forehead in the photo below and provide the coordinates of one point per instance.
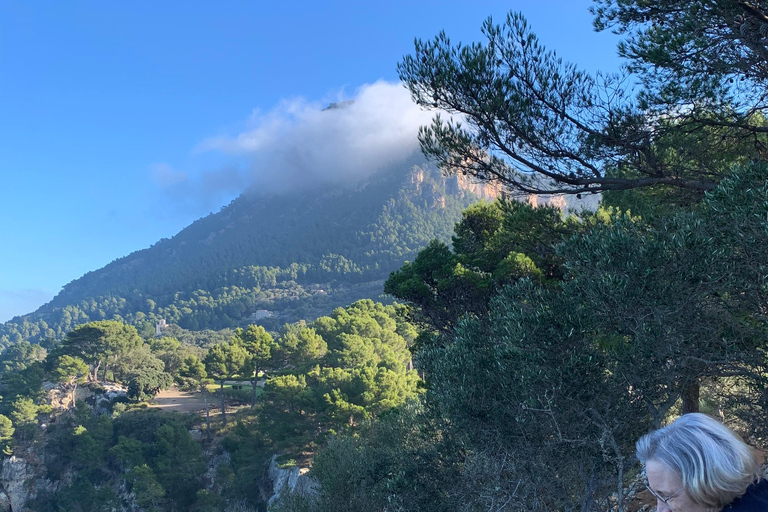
(662, 479)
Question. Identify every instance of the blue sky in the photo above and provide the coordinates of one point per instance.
(122, 122)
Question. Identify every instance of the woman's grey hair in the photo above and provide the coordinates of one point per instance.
(715, 465)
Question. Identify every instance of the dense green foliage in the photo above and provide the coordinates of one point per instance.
(361, 374)
(96, 351)
(401, 461)
(495, 244)
(538, 391)
(541, 378)
(695, 52)
(85, 447)
(106, 452)
(153, 452)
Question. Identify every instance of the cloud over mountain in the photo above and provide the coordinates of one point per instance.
(302, 142)
(298, 143)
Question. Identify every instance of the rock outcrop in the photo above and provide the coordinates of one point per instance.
(60, 396)
(20, 481)
(212, 470)
(293, 480)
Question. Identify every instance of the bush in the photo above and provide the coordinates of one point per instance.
(240, 395)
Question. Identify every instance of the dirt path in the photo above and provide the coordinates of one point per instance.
(173, 400)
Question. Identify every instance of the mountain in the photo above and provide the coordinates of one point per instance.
(296, 254)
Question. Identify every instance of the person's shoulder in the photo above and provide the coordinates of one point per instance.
(755, 499)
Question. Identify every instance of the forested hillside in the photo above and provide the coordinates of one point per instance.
(83, 440)
(297, 254)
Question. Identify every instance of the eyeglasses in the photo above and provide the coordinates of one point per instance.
(662, 498)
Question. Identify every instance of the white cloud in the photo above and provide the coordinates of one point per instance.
(298, 143)
(301, 142)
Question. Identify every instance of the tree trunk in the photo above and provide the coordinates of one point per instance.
(207, 416)
(223, 412)
(690, 397)
(95, 376)
(253, 391)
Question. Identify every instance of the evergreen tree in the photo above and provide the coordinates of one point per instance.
(101, 343)
(225, 361)
(536, 124)
(258, 343)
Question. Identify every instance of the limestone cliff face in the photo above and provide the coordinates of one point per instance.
(550, 200)
(453, 184)
(486, 190)
(456, 182)
(21, 474)
(21, 480)
(292, 480)
(62, 396)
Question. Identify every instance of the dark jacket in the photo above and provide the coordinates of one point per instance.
(754, 500)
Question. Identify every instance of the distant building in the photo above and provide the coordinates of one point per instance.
(160, 327)
(259, 314)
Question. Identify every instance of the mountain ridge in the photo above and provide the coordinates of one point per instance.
(276, 252)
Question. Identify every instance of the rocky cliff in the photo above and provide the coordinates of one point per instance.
(291, 480)
(21, 480)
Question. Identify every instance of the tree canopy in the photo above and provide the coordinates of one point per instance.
(101, 343)
(225, 361)
(495, 244)
(523, 117)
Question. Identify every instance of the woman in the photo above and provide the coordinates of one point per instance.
(698, 465)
